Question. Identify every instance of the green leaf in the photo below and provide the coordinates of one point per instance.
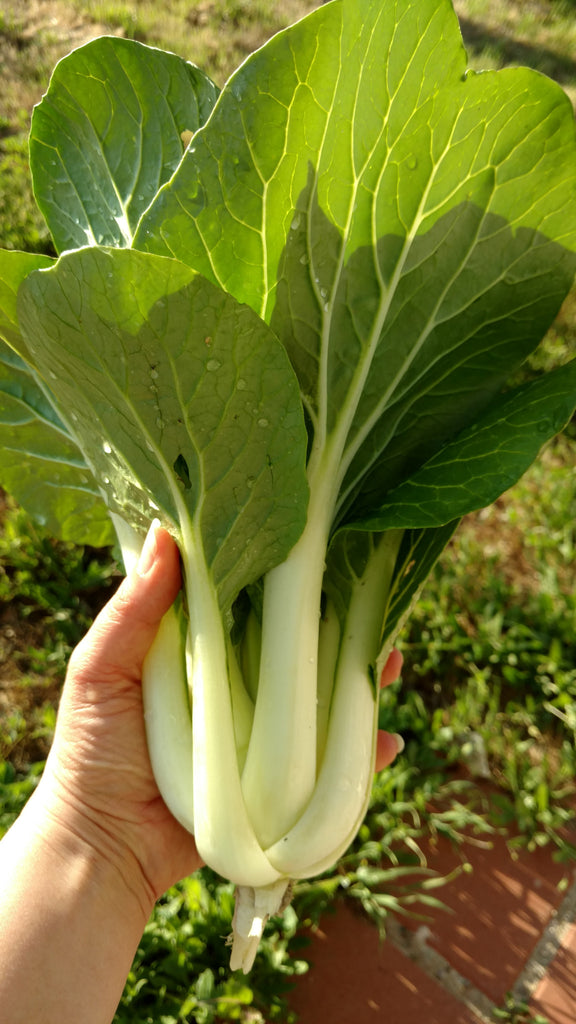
(40, 463)
(109, 132)
(14, 267)
(349, 555)
(418, 554)
(487, 458)
(184, 403)
(204, 986)
(408, 230)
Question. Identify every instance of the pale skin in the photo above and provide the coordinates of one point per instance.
(95, 846)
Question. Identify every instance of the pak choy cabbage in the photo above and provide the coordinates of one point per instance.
(287, 320)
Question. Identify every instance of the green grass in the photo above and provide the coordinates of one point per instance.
(540, 34)
(49, 594)
(215, 34)
(490, 651)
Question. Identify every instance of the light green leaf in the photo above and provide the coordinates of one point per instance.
(408, 230)
(349, 557)
(40, 463)
(14, 267)
(108, 133)
(184, 403)
(60, 495)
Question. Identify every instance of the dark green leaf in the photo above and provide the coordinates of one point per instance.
(109, 132)
(486, 459)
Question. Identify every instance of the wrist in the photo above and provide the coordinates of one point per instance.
(71, 923)
(90, 848)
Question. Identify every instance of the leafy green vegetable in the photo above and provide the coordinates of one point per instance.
(109, 132)
(293, 345)
(158, 369)
(41, 464)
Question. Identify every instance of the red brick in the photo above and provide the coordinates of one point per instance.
(499, 912)
(555, 996)
(354, 979)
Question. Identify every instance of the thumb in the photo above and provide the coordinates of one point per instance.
(117, 643)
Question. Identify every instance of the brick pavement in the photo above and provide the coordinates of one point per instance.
(512, 928)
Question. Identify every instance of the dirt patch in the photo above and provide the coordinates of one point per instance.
(33, 38)
(59, 19)
(501, 539)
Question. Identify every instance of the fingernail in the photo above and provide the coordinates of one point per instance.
(399, 742)
(148, 553)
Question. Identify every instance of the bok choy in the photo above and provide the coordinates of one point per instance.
(287, 320)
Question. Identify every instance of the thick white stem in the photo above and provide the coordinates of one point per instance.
(280, 771)
(167, 712)
(328, 651)
(224, 835)
(331, 820)
(167, 717)
(242, 707)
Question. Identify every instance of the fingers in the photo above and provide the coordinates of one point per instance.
(388, 744)
(119, 639)
(392, 668)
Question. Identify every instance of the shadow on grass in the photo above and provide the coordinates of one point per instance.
(477, 36)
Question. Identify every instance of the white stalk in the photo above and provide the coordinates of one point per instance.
(131, 542)
(251, 646)
(168, 720)
(242, 707)
(329, 823)
(224, 835)
(280, 771)
(328, 651)
(167, 713)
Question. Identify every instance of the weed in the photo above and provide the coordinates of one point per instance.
(515, 1012)
(49, 594)
(161, 974)
(490, 651)
(15, 790)
(23, 226)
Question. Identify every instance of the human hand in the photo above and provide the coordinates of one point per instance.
(98, 780)
(388, 744)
